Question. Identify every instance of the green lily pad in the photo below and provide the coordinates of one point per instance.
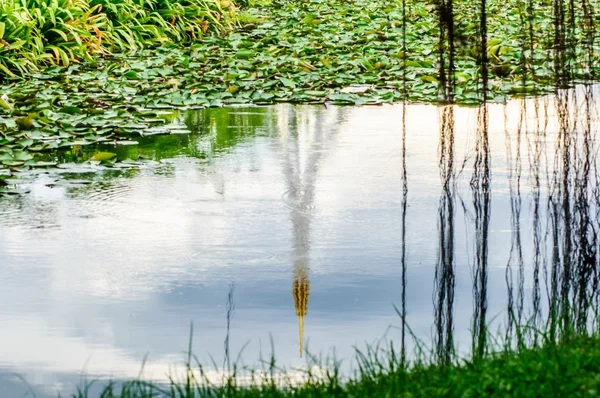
(102, 156)
(71, 110)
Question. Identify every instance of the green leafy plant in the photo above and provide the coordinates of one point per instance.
(39, 33)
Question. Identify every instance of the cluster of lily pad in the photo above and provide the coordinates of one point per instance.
(316, 51)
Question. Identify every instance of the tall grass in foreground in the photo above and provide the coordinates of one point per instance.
(38, 33)
(569, 367)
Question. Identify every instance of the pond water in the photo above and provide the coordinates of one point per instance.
(298, 226)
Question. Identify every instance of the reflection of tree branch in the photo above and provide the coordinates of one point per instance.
(444, 272)
(536, 148)
(585, 234)
(560, 203)
(574, 216)
(516, 251)
(404, 206)
(230, 307)
(480, 185)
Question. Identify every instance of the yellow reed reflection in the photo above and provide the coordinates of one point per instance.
(301, 287)
(304, 138)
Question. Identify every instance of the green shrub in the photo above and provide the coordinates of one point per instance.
(38, 33)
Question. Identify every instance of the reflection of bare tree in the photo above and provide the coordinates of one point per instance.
(444, 272)
(561, 214)
(301, 178)
(515, 310)
(480, 186)
(403, 261)
(536, 146)
(574, 215)
(404, 189)
(586, 251)
(229, 308)
(564, 183)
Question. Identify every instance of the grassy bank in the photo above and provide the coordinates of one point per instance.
(570, 368)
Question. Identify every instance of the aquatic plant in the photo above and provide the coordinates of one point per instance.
(567, 367)
(354, 53)
(38, 33)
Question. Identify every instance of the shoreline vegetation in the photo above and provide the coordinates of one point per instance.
(541, 367)
(90, 72)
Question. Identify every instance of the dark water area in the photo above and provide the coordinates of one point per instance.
(308, 228)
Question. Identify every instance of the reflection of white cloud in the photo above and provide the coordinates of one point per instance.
(72, 356)
(148, 231)
(41, 350)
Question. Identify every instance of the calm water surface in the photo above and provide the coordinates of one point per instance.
(301, 215)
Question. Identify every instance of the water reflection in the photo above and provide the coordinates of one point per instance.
(404, 203)
(574, 214)
(481, 190)
(301, 178)
(585, 217)
(536, 140)
(444, 273)
(370, 207)
(515, 264)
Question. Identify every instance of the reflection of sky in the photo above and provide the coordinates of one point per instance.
(104, 274)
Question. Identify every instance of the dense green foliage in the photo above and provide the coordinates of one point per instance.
(38, 33)
(568, 369)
